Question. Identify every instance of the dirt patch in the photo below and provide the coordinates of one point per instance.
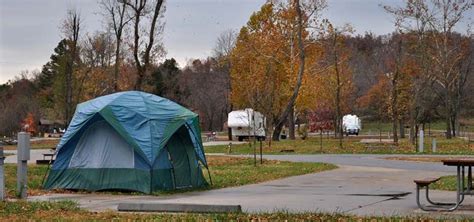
(377, 141)
(418, 159)
(40, 144)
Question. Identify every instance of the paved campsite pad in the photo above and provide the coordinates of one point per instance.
(369, 186)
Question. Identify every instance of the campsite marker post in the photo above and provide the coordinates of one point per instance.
(321, 140)
(2, 175)
(433, 145)
(23, 154)
(420, 143)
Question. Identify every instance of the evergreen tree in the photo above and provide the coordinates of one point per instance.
(50, 83)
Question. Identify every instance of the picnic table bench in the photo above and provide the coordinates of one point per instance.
(48, 158)
(211, 136)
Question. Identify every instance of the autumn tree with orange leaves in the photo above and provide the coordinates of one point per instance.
(267, 73)
(328, 84)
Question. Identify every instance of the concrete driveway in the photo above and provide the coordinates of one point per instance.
(362, 185)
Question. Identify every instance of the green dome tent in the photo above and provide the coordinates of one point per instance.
(129, 141)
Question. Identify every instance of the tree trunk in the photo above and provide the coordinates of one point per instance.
(117, 65)
(338, 130)
(395, 130)
(69, 72)
(277, 131)
(453, 124)
(139, 81)
(291, 102)
(395, 92)
(291, 124)
(74, 22)
(412, 130)
(448, 118)
(68, 93)
(401, 126)
(139, 8)
(210, 119)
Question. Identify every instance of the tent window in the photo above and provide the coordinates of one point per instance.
(102, 147)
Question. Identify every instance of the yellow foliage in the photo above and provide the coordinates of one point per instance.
(265, 61)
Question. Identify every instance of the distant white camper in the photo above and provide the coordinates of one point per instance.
(247, 123)
(351, 125)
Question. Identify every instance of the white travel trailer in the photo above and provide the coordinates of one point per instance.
(247, 123)
(351, 125)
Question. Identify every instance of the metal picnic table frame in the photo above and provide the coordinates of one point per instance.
(461, 188)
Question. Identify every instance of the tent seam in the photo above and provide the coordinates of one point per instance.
(149, 129)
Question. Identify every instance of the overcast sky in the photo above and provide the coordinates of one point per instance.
(29, 28)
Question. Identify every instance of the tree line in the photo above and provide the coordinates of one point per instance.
(287, 62)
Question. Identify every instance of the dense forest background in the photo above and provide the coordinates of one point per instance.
(410, 77)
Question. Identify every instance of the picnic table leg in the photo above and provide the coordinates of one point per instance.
(459, 189)
(469, 178)
(462, 185)
(418, 199)
(436, 203)
(418, 187)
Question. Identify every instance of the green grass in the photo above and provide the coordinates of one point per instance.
(448, 183)
(35, 177)
(21, 210)
(225, 172)
(351, 145)
(69, 211)
(374, 126)
(308, 146)
(232, 171)
(445, 183)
